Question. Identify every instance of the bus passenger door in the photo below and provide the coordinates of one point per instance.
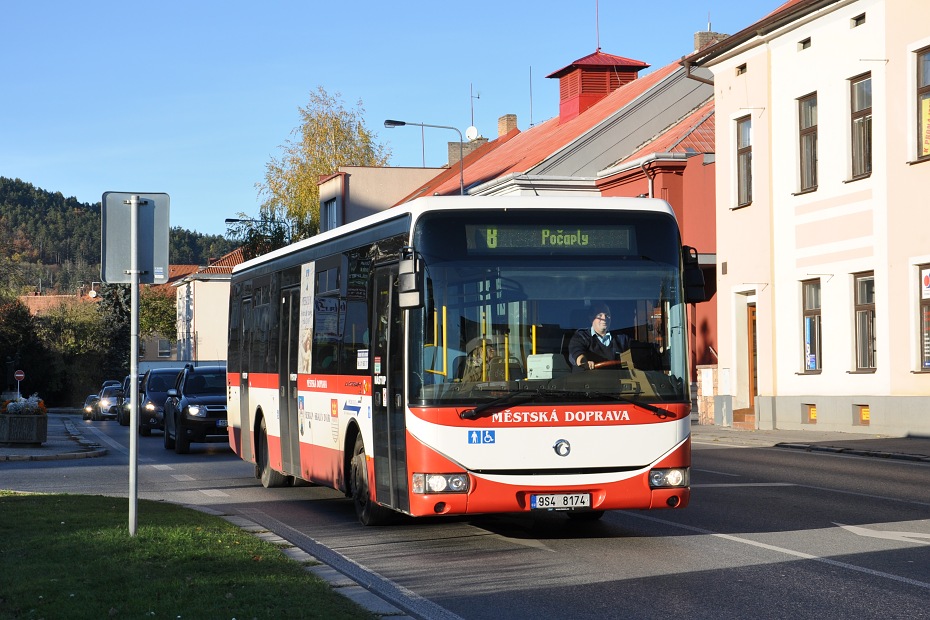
(289, 343)
(245, 354)
(388, 404)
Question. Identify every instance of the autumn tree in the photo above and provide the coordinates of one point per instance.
(158, 314)
(329, 135)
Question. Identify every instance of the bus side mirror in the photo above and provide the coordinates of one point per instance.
(693, 276)
(409, 279)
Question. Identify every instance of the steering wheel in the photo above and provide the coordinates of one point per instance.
(610, 364)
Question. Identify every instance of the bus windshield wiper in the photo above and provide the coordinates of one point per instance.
(514, 398)
(657, 411)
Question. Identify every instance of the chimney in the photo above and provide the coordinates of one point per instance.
(705, 38)
(588, 80)
(467, 148)
(506, 124)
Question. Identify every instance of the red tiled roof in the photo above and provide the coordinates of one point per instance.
(600, 59)
(225, 264)
(522, 151)
(692, 134)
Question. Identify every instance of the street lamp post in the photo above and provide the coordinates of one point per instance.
(390, 124)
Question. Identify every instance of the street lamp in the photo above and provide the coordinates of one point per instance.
(390, 124)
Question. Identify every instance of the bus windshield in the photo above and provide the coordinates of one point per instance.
(511, 298)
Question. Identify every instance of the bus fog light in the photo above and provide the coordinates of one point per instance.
(665, 478)
(458, 483)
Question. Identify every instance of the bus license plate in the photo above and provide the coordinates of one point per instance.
(221, 423)
(560, 501)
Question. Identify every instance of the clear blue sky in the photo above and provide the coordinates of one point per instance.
(193, 98)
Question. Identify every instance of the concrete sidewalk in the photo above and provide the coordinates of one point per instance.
(909, 448)
(65, 440)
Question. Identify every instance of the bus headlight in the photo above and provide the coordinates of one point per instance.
(440, 483)
(665, 478)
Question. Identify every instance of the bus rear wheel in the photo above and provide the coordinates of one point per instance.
(368, 512)
(269, 477)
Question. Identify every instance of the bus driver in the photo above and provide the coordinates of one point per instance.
(591, 346)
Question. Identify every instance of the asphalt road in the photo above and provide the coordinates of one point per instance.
(770, 533)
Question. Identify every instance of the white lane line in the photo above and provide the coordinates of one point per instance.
(214, 493)
(182, 477)
(163, 467)
(790, 552)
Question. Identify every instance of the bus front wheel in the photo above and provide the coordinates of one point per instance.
(368, 512)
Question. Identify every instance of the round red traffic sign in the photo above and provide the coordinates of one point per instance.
(19, 375)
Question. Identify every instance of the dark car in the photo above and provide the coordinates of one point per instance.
(195, 410)
(153, 392)
(90, 405)
(124, 411)
(109, 403)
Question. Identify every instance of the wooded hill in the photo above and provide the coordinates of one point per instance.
(52, 243)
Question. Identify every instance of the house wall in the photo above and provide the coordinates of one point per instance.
(744, 233)
(841, 228)
(203, 320)
(361, 191)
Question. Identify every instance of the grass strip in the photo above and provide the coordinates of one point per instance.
(71, 556)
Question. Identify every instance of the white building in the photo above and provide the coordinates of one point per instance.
(823, 160)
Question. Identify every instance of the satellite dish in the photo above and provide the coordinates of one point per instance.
(471, 133)
(92, 293)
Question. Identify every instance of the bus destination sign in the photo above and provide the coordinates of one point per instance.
(535, 238)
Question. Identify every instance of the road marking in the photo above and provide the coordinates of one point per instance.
(719, 473)
(181, 477)
(777, 549)
(741, 485)
(163, 467)
(907, 537)
(214, 493)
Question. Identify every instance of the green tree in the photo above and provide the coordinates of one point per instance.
(330, 135)
(158, 314)
(21, 349)
(115, 307)
(74, 336)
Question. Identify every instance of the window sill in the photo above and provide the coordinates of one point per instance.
(808, 372)
(862, 178)
(738, 207)
(805, 191)
(919, 160)
(864, 371)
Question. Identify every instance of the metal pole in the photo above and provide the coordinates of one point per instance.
(134, 203)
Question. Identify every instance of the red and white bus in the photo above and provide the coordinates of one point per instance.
(347, 356)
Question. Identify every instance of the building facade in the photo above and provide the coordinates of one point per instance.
(823, 151)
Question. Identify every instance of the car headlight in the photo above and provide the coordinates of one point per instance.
(104, 402)
(150, 406)
(665, 478)
(440, 483)
(196, 410)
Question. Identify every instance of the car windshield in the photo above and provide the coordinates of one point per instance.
(207, 382)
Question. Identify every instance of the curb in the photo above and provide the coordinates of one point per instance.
(339, 582)
(898, 456)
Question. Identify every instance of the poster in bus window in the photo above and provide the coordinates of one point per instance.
(329, 317)
(307, 278)
(357, 285)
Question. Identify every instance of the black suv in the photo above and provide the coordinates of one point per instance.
(195, 409)
(153, 392)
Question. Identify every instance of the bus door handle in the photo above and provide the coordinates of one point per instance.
(398, 400)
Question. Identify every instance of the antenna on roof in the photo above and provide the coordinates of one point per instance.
(597, 26)
(708, 22)
(473, 96)
(531, 95)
